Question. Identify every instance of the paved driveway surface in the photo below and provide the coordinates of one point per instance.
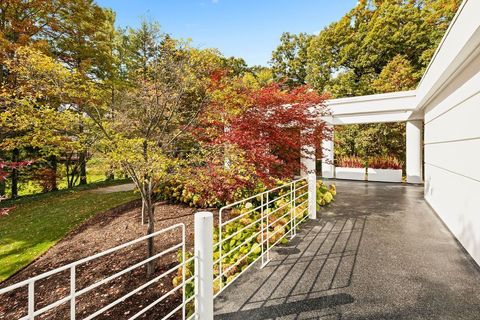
(379, 252)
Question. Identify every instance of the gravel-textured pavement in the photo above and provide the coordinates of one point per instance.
(379, 252)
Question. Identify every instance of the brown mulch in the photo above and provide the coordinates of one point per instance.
(100, 233)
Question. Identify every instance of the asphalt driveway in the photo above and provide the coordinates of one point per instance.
(379, 252)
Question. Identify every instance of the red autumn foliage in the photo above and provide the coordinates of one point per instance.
(387, 162)
(47, 178)
(265, 123)
(5, 168)
(351, 162)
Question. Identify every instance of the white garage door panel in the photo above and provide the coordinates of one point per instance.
(461, 122)
(456, 200)
(462, 157)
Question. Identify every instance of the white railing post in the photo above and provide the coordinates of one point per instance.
(31, 300)
(204, 265)
(73, 308)
(308, 171)
(312, 195)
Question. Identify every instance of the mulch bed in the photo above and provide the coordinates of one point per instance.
(100, 233)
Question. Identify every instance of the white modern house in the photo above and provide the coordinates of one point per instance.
(326, 271)
(442, 122)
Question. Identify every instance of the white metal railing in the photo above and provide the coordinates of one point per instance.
(75, 292)
(262, 213)
(286, 206)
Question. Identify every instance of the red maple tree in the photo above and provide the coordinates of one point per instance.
(269, 124)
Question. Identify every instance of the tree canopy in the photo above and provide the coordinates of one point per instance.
(377, 47)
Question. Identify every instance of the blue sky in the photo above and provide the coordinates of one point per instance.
(249, 29)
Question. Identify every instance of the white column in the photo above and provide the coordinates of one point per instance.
(414, 151)
(307, 159)
(328, 169)
(204, 265)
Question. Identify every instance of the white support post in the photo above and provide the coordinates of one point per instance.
(328, 169)
(204, 265)
(414, 151)
(307, 159)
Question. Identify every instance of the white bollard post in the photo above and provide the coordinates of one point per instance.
(204, 265)
(308, 162)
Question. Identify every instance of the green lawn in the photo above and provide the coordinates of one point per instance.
(40, 221)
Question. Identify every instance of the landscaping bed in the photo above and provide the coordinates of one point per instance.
(102, 232)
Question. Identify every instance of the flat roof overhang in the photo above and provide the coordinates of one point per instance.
(459, 46)
(378, 108)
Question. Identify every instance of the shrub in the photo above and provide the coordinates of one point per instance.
(209, 186)
(387, 162)
(46, 178)
(351, 162)
(246, 233)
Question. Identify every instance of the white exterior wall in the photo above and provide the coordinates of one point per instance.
(452, 156)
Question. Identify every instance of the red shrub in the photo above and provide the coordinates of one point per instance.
(351, 162)
(387, 162)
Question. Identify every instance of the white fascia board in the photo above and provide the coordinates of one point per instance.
(386, 107)
(459, 45)
(382, 117)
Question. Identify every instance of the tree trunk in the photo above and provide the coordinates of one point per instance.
(144, 214)
(15, 156)
(82, 158)
(149, 208)
(2, 188)
(54, 166)
(110, 174)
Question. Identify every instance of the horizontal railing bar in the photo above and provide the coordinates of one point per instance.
(262, 193)
(87, 259)
(143, 286)
(226, 286)
(52, 305)
(277, 209)
(171, 313)
(302, 195)
(270, 201)
(304, 218)
(116, 275)
(287, 213)
(239, 246)
(161, 298)
(301, 187)
(238, 231)
(78, 293)
(178, 308)
(240, 216)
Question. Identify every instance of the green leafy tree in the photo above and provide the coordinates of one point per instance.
(22, 23)
(347, 56)
(378, 47)
(84, 43)
(397, 75)
(289, 60)
(165, 91)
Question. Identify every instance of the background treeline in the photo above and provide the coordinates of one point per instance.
(45, 112)
(82, 98)
(379, 46)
